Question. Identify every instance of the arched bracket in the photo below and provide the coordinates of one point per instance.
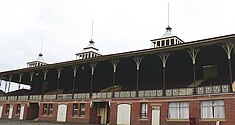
(31, 76)
(193, 53)
(75, 68)
(228, 46)
(164, 57)
(115, 64)
(20, 75)
(45, 74)
(93, 65)
(59, 70)
(138, 60)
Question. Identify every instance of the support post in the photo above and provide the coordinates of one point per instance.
(74, 78)
(164, 57)
(92, 75)
(5, 88)
(58, 81)
(10, 77)
(30, 84)
(20, 80)
(194, 79)
(193, 54)
(137, 61)
(228, 49)
(230, 71)
(114, 63)
(164, 81)
(44, 82)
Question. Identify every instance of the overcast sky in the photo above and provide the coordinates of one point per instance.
(119, 26)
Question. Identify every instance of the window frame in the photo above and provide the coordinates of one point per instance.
(18, 108)
(214, 109)
(82, 110)
(45, 109)
(144, 110)
(180, 107)
(75, 109)
(50, 109)
(7, 109)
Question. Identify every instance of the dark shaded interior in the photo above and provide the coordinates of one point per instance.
(103, 76)
(213, 55)
(179, 70)
(151, 73)
(126, 74)
(178, 73)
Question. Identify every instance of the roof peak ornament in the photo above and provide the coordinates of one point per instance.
(168, 39)
(90, 51)
(39, 61)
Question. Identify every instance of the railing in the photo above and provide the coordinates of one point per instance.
(125, 94)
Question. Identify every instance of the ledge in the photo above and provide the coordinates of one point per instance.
(178, 120)
(143, 119)
(212, 119)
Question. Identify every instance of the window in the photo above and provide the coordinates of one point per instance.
(44, 109)
(75, 109)
(50, 109)
(18, 109)
(7, 109)
(82, 110)
(154, 44)
(172, 41)
(144, 110)
(158, 43)
(167, 42)
(163, 42)
(212, 109)
(178, 110)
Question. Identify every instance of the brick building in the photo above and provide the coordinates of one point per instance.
(174, 82)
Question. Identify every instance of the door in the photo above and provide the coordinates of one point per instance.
(21, 112)
(62, 112)
(155, 115)
(10, 112)
(124, 114)
(1, 107)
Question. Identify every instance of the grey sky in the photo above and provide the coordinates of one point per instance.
(119, 25)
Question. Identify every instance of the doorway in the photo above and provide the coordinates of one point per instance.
(32, 112)
(1, 109)
(10, 112)
(155, 115)
(62, 112)
(124, 114)
(22, 112)
(100, 111)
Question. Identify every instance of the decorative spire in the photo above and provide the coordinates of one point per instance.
(168, 29)
(40, 55)
(92, 26)
(90, 51)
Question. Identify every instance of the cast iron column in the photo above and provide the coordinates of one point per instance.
(114, 63)
(74, 78)
(58, 81)
(30, 84)
(92, 75)
(44, 83)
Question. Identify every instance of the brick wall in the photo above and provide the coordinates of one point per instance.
(194, 110)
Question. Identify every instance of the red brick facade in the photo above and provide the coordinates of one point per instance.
(194, 110)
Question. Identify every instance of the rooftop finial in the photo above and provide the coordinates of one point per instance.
(92, 26)
(168, 27)
(40, 54)
(168, 14)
